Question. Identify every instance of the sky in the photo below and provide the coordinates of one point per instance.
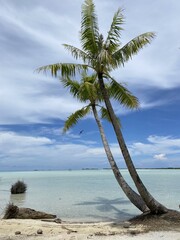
(33, 107)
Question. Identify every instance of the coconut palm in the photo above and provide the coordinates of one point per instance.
(104, 56)
(87, 91)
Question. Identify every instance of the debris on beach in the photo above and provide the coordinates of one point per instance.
(12, 211)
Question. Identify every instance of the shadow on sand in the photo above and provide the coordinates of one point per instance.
(115, 206)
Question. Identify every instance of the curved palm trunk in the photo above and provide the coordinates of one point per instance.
(130, 193)
(151, 202)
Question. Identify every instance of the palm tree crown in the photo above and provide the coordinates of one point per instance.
(98, 54)
(87, 90)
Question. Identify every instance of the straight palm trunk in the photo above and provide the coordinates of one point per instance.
(151, 202)
(130, 193)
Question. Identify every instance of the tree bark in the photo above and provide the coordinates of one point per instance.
(151, 202)
(130, 193)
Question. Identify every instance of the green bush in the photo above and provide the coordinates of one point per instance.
(18, 187)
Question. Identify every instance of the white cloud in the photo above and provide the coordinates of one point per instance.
(40, 25)
(31, 35)
(160, 156)
(157, 64)
(28, 151)
(165, 144)
(24, 151)
(148, 152)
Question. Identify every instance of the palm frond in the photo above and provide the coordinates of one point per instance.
(104, 57)
(90, 78)
(72, 85)
(89, 28)
(122, 94)
(77, 53)
(90, 91)
(75, 117)
(64, 69)
(132, 47)
(113, 38)
(89, 88)
(105, 115)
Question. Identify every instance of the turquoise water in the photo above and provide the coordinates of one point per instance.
(87, 195)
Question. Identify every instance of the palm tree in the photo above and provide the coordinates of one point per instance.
(103, 56)
(87, 91)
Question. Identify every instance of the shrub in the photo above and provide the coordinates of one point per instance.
(18, 187)
(11, 211)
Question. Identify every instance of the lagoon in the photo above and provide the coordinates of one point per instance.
(87, 195)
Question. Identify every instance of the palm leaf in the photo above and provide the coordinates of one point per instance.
(122, 95)
(105, 115)
(91, 91)
(131, 48)
(89, 28)
(75, 117)
(105, 58)
(77, 53)
(113, 38)
(89, 88)
(72, 85)
(65, 69)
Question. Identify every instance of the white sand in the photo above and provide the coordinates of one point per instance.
(72, 231)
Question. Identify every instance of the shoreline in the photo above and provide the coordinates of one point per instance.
(80, 231)
(85, 169)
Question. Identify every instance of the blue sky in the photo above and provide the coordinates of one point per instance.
(34, 106)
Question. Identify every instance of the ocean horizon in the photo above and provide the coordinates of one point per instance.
(87, 195)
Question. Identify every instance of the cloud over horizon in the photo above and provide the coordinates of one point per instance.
(22, 150)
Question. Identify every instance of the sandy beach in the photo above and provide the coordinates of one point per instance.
(71, 231)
